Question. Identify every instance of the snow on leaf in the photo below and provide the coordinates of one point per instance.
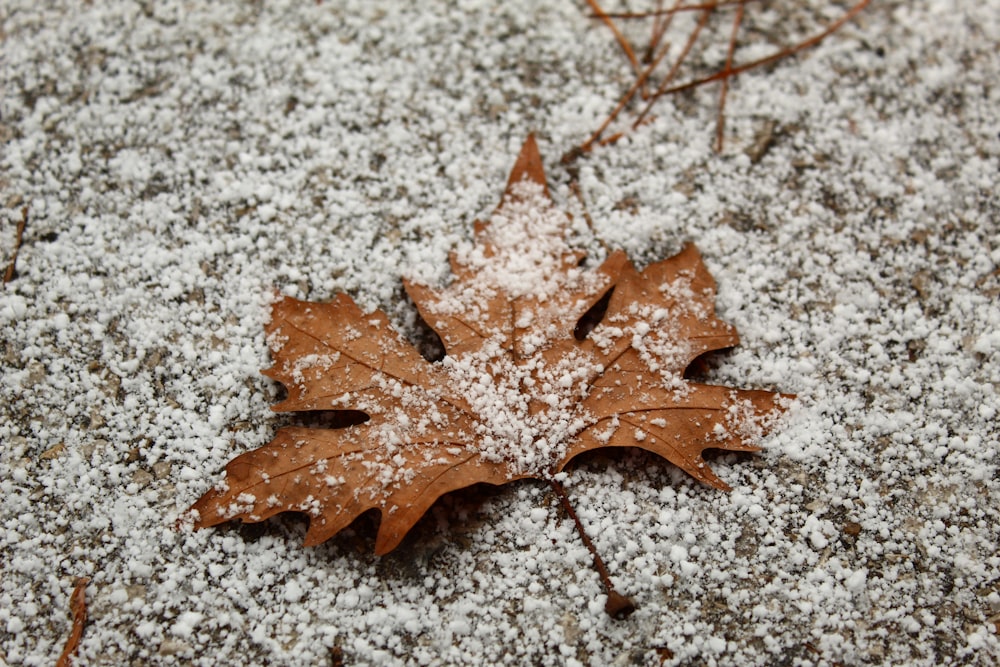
(544, 360)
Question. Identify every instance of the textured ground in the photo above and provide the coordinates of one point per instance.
(179, 162)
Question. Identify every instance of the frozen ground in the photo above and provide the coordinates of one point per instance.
(181, 161)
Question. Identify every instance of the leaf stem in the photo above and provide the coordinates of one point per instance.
(618, 606)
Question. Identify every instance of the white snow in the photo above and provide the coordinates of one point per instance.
(184, 162)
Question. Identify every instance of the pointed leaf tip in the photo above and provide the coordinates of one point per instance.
(528, 166)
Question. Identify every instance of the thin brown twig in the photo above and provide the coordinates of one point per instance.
(792, 50)
(617, 606)
(692, 38)
(720, 121)
(624, 43)
(634, 88)
(710, 6)
(12, 267)
(623, 102)
(654, 35)
(660, 28)
(760, 62)
(654, 39)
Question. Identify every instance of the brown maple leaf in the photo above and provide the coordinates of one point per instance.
(544, 360)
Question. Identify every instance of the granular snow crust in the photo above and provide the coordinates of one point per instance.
(180, 162)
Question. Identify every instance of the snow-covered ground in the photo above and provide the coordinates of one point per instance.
(181, 161)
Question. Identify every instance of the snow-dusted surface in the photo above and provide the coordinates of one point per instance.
(180, 162)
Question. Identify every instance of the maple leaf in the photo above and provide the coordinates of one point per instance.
(545, 360)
